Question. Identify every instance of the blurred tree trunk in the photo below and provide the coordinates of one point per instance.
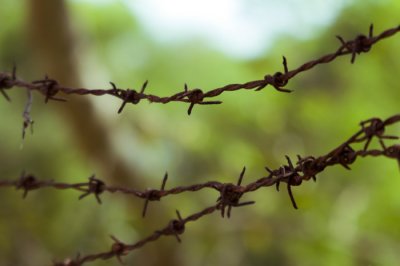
(53, 45)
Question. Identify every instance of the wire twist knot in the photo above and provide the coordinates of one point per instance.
(27, 183)
(344, 156)
(129, 96)
(119, 249)
(175, 227)
(393, 151)
(291, 176)
(196, 96)
(310, 167)
(278, 80)
(361, 44)
(49, 88)
(230, 195)
(96, 187)
(6, 82)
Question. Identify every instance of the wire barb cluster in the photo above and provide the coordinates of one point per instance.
(293, 174)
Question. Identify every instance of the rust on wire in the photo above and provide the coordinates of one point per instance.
(278, 80)
(304, 169)
(153, 194)
(361, 44)
(94, 186)
(6, 82)
(27, 183)
(230, 195)
(50, 87)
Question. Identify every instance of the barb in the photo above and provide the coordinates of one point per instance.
(94, 186)
(152, 194)
(50, 87)
(230, 196)
(304, 169)
(5, 82)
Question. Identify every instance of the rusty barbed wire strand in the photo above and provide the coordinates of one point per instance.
(309, 166)
(304, 169)
(50, 87)
(231, 194)
(118, 249)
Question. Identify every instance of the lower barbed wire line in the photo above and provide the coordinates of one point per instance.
(230, 194)
(119, 249)
(178, 226)
(48, 87)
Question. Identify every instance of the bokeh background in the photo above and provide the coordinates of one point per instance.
(346, 218)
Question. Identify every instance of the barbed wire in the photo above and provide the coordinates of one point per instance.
(304, 169)
(230, 194)
(51, 87)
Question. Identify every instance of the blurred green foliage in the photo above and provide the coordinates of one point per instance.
(346, 218)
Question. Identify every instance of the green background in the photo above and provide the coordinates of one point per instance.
(346, 218)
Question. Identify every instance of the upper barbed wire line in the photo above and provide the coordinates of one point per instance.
(49, 87)
(366, 41)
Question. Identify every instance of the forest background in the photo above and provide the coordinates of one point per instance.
(346, 218)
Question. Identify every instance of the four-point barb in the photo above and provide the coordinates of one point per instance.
(361, 44)
(278, 80)
(153, 194)
(196, 96)
(95, 187)
(230, 196)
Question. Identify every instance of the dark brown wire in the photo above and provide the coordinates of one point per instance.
(230, 194)
(50, 87)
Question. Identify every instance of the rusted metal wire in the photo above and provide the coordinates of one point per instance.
(293, 174)
(50, 87)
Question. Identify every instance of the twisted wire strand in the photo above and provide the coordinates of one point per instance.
(293, 174)
(51, 87)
